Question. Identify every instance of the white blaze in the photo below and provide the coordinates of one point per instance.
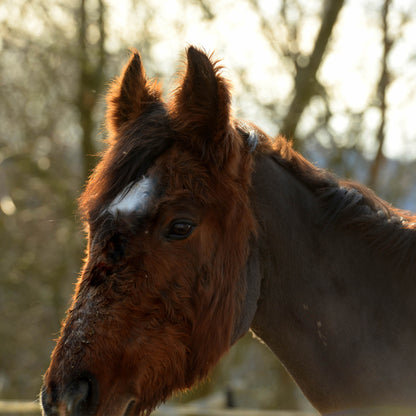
(133, 198)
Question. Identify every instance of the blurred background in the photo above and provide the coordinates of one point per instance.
(337, 76)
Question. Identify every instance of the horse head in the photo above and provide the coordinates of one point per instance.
(162, 294)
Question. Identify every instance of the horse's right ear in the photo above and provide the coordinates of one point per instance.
(201, 105)
(130, 94)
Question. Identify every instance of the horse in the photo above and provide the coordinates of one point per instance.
(202, 227)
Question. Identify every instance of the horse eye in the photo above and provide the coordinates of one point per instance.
(180, 230)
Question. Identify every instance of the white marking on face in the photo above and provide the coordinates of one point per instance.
(134, 198)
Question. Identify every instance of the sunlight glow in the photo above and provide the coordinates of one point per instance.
(350, 70)
(7, 205)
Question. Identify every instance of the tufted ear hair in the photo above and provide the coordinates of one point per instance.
(130, 94)
(201, 104)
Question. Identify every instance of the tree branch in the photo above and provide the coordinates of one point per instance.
(381, 95)
(305, 80)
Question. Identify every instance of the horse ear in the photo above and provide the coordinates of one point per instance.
(130, 94)
(201, 104)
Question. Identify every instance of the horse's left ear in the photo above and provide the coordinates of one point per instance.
(201, 104)
(130, 94)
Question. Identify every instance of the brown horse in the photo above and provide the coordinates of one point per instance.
(200, 227)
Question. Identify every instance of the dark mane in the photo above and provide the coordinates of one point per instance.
(351, 205)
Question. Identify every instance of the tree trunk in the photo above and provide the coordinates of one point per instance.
(305, 81)
(91, 70)
(381, 95)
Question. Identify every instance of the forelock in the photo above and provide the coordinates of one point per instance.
(127, 159)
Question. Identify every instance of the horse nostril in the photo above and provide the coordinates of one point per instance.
(75, 397)
(130, 408)
(79, 397)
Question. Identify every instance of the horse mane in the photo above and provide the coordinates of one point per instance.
(350, 205)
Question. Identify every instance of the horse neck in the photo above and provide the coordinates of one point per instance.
(330, 307)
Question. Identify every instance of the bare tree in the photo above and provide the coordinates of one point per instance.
(50, 78)
(92, 62)
(382, 86)
(305, 79)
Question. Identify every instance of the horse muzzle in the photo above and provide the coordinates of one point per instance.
(79, 398)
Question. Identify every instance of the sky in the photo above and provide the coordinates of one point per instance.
(350, 70)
